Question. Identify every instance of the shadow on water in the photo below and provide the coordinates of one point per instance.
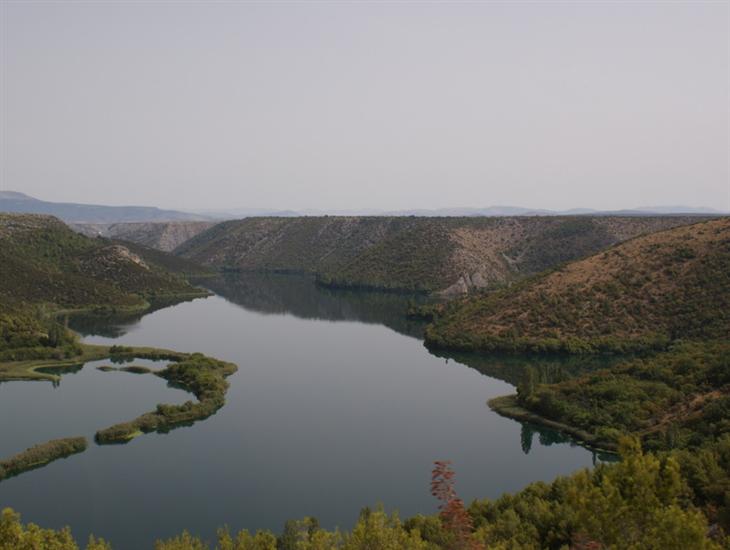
(111, 323)
(547, 437)
(543, 369)
(276, 294)
(299, 295)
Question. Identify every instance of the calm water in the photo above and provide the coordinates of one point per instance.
(336, 405)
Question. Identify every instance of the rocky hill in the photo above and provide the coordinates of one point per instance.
(643, 293)
(165, 236)
(448, 255)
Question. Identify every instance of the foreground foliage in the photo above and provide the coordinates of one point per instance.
(645, 501)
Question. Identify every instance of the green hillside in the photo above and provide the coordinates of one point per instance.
(641, 294)
(45, 267)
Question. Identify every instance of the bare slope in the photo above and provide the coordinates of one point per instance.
(642, 293)
(450, 255)
(165, 236)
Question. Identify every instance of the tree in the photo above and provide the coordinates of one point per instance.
(455, 519)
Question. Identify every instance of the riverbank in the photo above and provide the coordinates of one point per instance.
(29, 369)
(32, 369)
(508, 407)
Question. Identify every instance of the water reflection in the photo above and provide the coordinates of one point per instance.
(112, 323)
(300, 296)
(547, 437)
(280, 294)
(515, 369)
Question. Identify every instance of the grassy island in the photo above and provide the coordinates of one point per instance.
(202, 376)
(40, 455)
(48, 271)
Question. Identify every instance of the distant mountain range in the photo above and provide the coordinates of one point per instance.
(489, 211)
(12, 201)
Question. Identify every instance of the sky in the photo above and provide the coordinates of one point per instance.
(389, 105)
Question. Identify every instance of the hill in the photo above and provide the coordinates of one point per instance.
(448, 255)
(641, 294)
(43, 261)
(13, 202)
(46, 267)
(165, 236)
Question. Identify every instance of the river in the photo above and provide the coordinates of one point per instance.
(336, 405)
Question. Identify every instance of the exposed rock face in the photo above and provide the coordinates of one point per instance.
(165, 236)
(114, 254)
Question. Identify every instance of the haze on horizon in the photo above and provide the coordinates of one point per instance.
(194, 105)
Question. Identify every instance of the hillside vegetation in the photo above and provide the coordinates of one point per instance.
(450, 255)
(639, 295)
(45, 267)
(679, 398)
(43, 261)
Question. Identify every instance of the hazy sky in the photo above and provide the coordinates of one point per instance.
(369, 105)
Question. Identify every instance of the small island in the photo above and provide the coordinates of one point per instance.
(40, 455)
(204, 377)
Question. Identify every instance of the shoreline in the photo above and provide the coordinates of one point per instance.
(27, 370)
(507, 406)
